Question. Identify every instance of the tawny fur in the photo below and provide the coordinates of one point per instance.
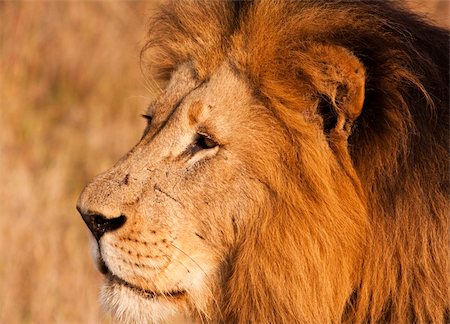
(392, 169)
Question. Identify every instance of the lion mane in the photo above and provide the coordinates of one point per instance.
(395, 155)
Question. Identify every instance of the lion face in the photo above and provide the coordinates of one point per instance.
(168, 213)
(216, 184)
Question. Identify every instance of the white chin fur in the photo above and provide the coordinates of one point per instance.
(127, 307)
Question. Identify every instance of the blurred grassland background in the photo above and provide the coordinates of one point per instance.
(71, 92)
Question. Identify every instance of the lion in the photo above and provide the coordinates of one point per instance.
(294, 169)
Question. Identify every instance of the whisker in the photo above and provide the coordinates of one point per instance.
(206, 275)
(174, 258)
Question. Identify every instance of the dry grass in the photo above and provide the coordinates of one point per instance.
(70, 95)
(71, 92)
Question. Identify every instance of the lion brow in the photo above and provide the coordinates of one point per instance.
(194, 111)
(174, 109)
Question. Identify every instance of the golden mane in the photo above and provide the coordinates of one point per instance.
(394, 185)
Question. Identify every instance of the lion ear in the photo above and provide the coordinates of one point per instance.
(339, 78)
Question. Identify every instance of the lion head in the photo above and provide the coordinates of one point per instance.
(294, 169)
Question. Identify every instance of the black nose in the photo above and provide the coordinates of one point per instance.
(99, 224)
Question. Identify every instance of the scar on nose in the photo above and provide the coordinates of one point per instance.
(194, 111)
(125, 180)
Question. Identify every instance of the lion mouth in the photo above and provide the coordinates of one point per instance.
(148, 294)
(144, 293)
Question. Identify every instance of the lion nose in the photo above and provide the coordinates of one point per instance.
(99, 224)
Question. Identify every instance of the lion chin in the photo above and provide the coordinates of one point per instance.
(131, 305)
(294, 169)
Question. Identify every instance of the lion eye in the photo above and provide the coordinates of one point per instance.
(204, 142)
(148, 118)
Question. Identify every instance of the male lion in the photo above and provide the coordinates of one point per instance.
(295, 169)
